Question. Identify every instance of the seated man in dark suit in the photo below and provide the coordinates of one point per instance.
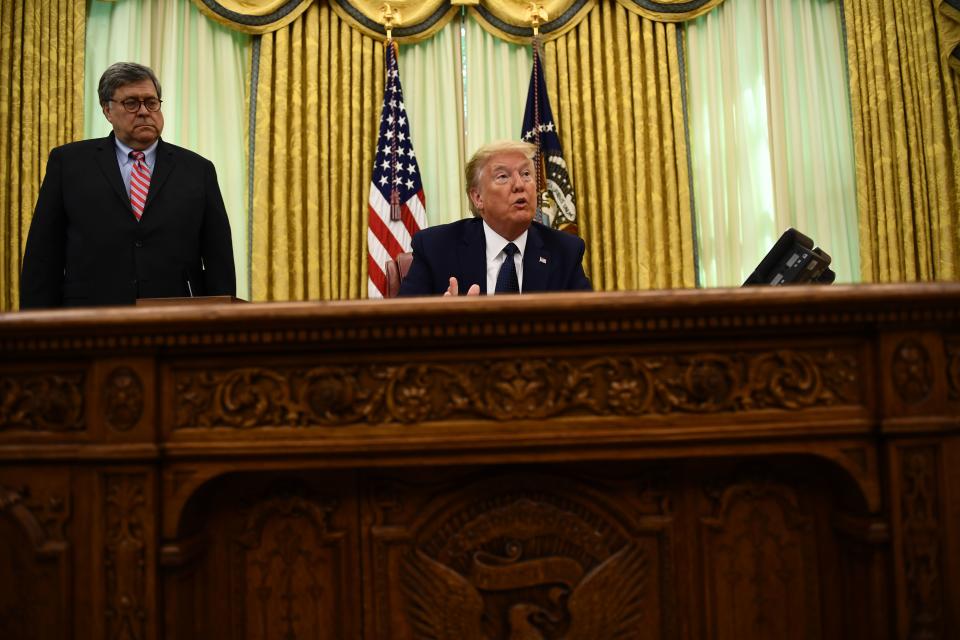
(127, 216)
(501, 249)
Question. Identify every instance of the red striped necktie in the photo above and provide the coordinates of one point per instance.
(139, 183)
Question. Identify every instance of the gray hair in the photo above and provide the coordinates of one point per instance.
(120, 74)
(481, 157)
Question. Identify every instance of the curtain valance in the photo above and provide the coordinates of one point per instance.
(669, 10)
(510, 19)
(417, 20)
(506, 19)
(420, 19)
(253, 16)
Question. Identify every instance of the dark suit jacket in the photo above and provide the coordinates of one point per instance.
(85, 247)
(552, 260)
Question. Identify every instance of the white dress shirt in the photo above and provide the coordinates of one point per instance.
(495, 256)
(126, 162)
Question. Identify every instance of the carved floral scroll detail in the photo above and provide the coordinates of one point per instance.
(126, 556)
(42, 401)
(912, 371)
(515, 389)
(123, 399)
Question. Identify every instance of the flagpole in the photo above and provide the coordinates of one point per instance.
(537, 15)
(390, 18)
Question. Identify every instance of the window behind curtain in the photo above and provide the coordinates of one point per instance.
(770, 135)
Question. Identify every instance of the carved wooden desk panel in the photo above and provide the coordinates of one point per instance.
(766, 463)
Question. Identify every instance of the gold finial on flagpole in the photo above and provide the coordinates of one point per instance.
(537, 16)
(390, 18)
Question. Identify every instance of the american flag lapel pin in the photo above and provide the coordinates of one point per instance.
(543, 260)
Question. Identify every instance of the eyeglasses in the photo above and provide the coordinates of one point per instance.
(132, 105)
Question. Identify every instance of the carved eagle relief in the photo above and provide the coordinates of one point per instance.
(545, 597)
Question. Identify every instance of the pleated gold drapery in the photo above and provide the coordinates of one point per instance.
(317, 114)
(41, 106)
(616, 89)
(907, 141)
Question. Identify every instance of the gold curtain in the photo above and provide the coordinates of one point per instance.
(41, 106)
(620, 114)
(907, 142)
(317, 110)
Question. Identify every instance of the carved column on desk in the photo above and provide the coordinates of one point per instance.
(919, 374)
(129, 554)
(921, 540)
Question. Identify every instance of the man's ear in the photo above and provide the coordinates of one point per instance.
(105, 106)
(476, 199)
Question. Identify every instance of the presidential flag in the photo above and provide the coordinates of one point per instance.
(396, 207)
(556, 205)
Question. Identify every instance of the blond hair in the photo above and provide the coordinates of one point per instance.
(481, 157)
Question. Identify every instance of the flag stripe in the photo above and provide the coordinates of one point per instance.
(408, 216)
(418, 216)
(376, 248)
(389, 241)
(378, 279)
(399, 230)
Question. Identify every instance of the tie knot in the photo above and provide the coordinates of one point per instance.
(138, 155)
(511, 250)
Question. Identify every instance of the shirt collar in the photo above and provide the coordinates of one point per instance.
(496, 242)
(123, 152)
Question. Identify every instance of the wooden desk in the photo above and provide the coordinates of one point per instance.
(764, 463)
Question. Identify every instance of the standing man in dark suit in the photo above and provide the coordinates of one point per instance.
(127, 216)
(500, 250)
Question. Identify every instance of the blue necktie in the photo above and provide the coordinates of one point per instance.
(507, 281)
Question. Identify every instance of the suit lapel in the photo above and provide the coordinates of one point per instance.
(473, 258)
(536, 263)
(161, 171)
(107, 160)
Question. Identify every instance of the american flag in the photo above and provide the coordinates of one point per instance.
(396, 193)
(557, 205)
